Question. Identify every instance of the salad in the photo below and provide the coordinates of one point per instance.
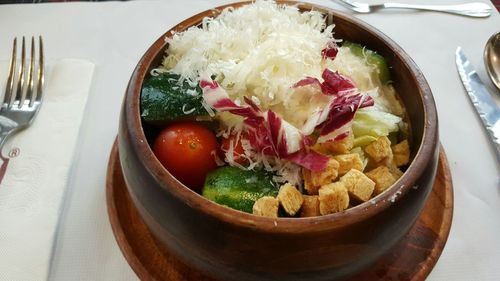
(263, 110)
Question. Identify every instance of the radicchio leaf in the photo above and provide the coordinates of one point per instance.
(310, 160)
(267, 133)
(336, 84)
(307, 81)
(330, 51)
(339, 112)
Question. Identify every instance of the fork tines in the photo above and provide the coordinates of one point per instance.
(28, 89)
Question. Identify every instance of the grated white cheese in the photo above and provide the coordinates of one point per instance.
(356, 68)
(261, 60)
(187, 111)
(366, 80)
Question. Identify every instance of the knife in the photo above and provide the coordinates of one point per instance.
(485, 106)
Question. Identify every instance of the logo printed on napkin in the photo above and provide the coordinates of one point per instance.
(4, 161)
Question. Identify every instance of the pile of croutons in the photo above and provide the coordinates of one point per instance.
(351, 177)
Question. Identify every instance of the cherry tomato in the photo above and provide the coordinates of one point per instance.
(187, 150)
(238, 151)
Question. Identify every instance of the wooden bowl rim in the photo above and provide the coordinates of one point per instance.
(352, 215)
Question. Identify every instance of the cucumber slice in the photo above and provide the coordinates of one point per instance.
(164, 99)
(237, 188)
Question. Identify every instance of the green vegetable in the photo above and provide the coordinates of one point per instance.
(164, 99)
(382, 70)
(363, 141)
(373, 123)
(238, 189)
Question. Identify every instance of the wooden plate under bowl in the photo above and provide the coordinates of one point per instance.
(412, 259)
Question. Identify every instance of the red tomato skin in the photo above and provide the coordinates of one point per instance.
(238, 151)
(187, 150)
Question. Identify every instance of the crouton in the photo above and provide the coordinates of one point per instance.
(310, 206)
(348, 162)
(290, 199)
(380, 150)
(333, 198)
(395, 171)
(313, 180)
(266, 206)
(335, 147)
(401, 153)
(382, 177)
(359, 186)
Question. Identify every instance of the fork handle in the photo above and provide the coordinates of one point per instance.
(7, 126)
(4, 135)
(475, 9)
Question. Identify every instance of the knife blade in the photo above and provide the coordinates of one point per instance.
(485, 105)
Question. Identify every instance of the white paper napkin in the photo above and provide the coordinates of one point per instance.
(36, 175)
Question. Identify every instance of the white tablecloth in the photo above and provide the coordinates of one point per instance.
(114, 35)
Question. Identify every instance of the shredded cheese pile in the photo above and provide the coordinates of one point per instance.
(261, 60)
(366, 79)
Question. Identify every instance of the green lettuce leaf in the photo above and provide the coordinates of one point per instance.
(369, 125)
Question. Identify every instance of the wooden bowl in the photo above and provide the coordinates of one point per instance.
(232, 245)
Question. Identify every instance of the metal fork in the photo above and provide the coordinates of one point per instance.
(478, 10)
(22, 99)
